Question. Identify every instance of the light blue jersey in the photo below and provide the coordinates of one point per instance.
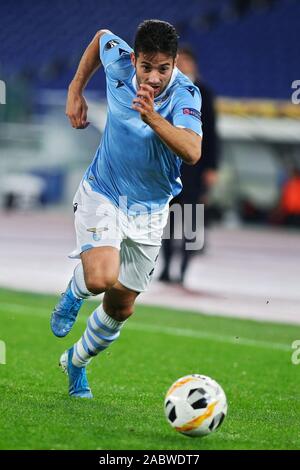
(132, 161)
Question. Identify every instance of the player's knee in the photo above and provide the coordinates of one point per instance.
(97, 284)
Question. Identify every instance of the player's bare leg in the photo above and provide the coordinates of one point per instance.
(101, 268)
(98, 272)
(118, 302)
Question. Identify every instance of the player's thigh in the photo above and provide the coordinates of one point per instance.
(137, 264)
(101, 266)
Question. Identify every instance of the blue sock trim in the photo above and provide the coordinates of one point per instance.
(73, 287)
(97, 346)
(109, 339)
(78, 355)
(101, 325)
(86, 348)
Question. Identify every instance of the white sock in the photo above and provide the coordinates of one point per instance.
(101, 331)
(78, 286)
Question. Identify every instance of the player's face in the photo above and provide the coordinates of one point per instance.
(154, 70)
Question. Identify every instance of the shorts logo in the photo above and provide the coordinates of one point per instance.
(97, 232)
(75, 207)
(110, 44)
(192, 112)
(96, 237)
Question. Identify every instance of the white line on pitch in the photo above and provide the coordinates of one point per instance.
(201, 334)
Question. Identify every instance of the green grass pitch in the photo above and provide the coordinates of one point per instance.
(251, 360)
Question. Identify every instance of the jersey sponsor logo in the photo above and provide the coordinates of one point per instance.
(192, 112)
(110, 44)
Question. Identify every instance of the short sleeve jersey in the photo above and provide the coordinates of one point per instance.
(132, 162)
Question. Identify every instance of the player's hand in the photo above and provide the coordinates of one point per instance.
(76, 110)
(144, 102)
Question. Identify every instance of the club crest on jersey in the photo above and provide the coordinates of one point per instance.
(192, 112)
(162, 100)
(110, 44)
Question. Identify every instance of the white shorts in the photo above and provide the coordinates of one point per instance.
(98, 222)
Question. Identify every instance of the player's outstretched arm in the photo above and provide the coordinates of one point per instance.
(76, 107)
(184, 142)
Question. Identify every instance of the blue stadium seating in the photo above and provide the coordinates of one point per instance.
(251, 56)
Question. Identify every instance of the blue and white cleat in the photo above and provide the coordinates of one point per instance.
(78, 383)
(65, 313)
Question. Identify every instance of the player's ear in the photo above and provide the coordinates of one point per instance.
(133, 59)
(175, 60)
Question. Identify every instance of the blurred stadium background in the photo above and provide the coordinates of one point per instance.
(248, 54)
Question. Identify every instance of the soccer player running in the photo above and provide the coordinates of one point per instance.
(121, 205)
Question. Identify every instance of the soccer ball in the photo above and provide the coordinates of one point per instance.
(195, 405)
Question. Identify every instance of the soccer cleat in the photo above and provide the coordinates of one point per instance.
(65, 313)
(78, 383)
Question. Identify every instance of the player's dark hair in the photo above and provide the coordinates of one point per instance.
(156, 36)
